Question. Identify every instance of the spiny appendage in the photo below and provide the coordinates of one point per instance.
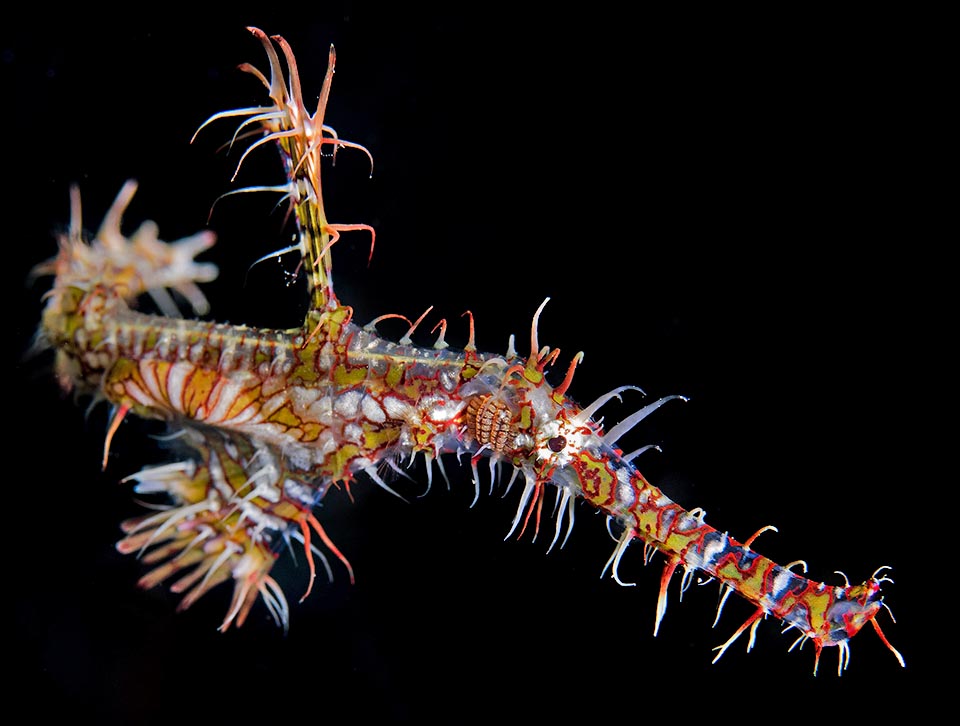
(562, 445)
(543, 434)
(96, 284)
(128, 266)
(233, 505)
(301, 138)
(852, 607)
(825, 615)
(503, 422)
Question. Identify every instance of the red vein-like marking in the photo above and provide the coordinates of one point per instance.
(661, 512)
(590, 474)
(213, 342)
(785, 607)
(346, 351)
(213, 397)
(253, 402)
(639, 484)
(185, 388)
(733, 555)
(166, 383)
(239, 355)
(696, 540)
(157, 384)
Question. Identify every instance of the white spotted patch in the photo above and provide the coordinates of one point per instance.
(446, 410)
(347, 404)
(303, 397)
(372, 410)
(780, 583)
(321, 411)
(353, 433)
(713, 549)
(396, 408)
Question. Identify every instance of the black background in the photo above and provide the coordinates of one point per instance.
(733, 209)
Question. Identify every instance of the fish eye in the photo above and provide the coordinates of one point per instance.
(557, 444)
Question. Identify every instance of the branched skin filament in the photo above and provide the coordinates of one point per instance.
(269, 420)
